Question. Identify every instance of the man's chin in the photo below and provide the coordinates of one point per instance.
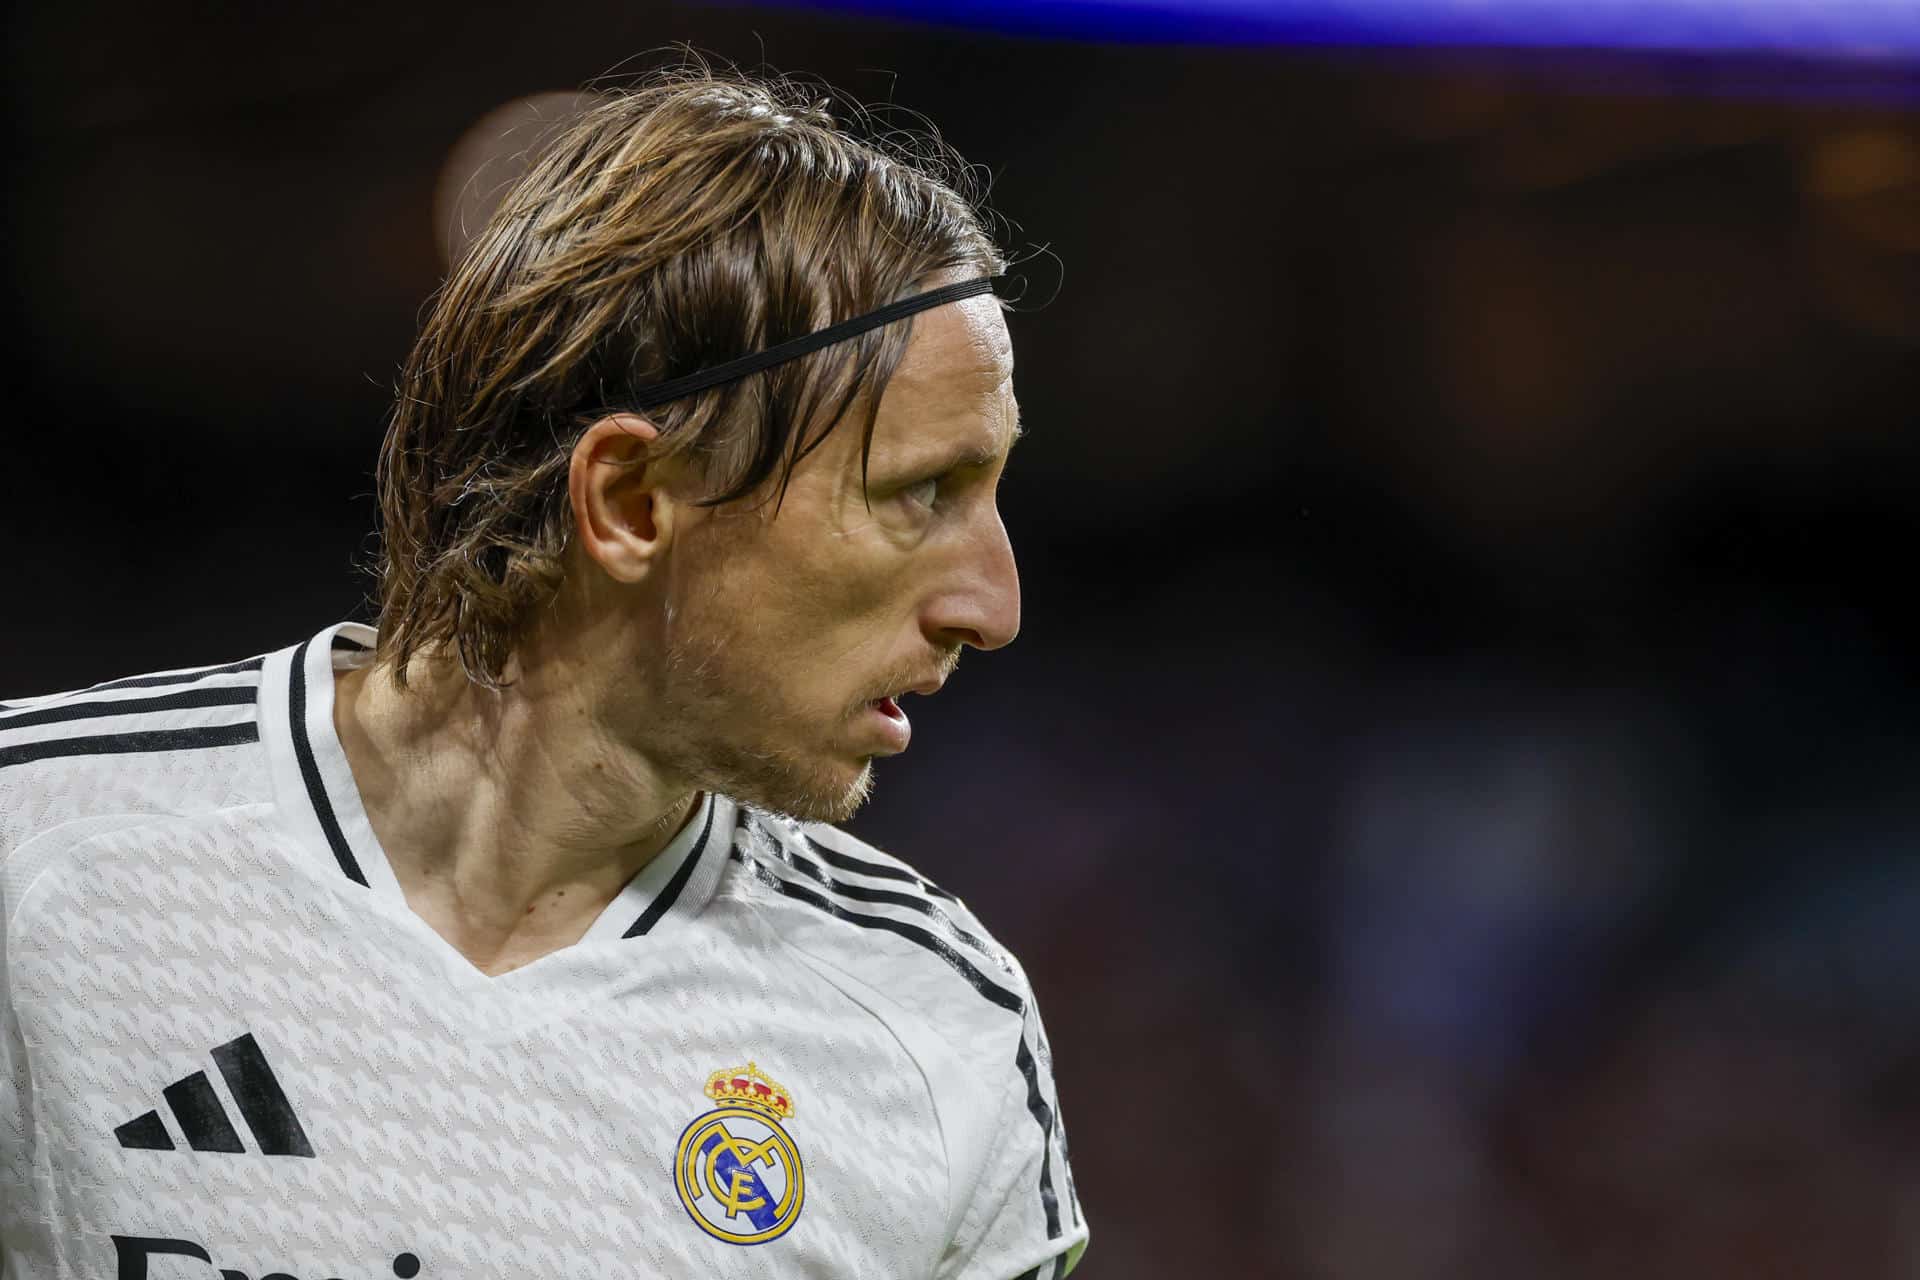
(831, 793)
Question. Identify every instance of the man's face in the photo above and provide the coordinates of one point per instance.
(790, 637)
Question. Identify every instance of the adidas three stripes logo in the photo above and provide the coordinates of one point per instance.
(204, 1121)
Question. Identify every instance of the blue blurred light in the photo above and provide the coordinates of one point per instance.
(1872, 30)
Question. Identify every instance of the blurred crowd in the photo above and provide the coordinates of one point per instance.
(1462, 976)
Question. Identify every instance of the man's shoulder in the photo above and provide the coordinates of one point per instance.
(178, 741)
(879, 922)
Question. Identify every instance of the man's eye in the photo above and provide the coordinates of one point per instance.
(922, 494)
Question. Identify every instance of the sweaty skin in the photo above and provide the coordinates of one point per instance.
(696, 649)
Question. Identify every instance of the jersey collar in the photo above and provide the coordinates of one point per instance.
(320, 803)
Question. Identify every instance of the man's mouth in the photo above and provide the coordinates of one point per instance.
(892, 722)
(889, 723)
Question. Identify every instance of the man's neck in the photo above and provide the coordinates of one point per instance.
(511, 817)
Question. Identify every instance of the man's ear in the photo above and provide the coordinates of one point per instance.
(623, 516)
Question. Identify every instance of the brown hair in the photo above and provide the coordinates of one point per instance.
(696, 218)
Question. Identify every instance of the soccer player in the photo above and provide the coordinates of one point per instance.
(511, 940)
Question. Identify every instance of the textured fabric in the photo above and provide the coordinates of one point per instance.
(226, 1044)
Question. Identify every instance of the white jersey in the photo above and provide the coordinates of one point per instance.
(229, 1050)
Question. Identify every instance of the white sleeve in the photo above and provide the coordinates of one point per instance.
(11, 1120)
(1024, 1220)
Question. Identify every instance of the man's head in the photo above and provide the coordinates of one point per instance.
(762, 563)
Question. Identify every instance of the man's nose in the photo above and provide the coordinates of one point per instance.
(981, 607)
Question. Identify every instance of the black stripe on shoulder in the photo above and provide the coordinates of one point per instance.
(992, 991)
(219, 695)
(1042, 1116)
(153, 681)
(670, 894)
(878, 870)
(116, 744)
(867, 893)
(177, 677)
(310, 768)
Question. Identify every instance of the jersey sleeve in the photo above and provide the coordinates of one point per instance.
(13, 1166)
(1023, 1221)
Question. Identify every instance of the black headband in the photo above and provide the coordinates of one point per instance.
(732, 370)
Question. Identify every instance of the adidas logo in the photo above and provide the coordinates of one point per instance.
(203, 1120)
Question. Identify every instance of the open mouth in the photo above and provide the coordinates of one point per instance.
(889, 708)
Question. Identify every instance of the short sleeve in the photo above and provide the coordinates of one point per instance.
(1024, 1220)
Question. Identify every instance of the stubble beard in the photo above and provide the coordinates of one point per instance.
(727, 735)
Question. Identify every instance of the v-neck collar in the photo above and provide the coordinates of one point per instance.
(321, 808)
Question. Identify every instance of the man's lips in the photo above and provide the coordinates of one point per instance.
(890, 723)
(926, 688)
(893, 716)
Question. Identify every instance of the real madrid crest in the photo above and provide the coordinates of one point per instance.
(737, 1171)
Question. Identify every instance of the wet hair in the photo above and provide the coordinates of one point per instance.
(694, 218)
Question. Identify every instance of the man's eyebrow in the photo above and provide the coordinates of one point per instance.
(978, 457)
(986, 456)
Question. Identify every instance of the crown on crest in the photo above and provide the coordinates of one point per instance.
(748, 1086)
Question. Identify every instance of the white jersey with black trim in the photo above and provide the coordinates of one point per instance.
(229, 1050)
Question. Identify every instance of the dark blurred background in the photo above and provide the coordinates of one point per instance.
(1455, 794)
